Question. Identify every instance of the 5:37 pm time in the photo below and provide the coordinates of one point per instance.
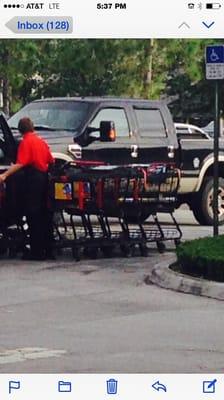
(108, 6)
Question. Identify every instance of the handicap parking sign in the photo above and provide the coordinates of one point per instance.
(214, 54)
(214, 58)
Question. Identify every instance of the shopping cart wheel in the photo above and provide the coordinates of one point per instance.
(12, 252)
(91, 252)
(126, 250)
(161, 247)
(76, 253)
(143, 250)
(59, 251)
(133, 248)
(3, 252)
(177, 242)
(3, 249)
(107, 250)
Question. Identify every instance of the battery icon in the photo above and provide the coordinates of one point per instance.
(213, 6)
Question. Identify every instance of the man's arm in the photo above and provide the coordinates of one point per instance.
(12, 170)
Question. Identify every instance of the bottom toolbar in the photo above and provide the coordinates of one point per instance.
(116, 386)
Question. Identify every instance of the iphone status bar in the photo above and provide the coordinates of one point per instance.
(101, 19)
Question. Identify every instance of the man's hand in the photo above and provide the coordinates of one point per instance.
(2, 178)
(12, 169)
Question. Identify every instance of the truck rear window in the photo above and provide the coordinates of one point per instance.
(150, 122)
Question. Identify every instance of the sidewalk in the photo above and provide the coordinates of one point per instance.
(164, 277)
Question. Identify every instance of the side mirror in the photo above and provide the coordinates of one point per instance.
(2, 155)
(107, 131)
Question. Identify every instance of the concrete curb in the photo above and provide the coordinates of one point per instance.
(164, 277)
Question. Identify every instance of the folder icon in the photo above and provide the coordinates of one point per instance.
(64, 387)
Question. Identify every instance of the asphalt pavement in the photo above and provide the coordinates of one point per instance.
(100, 316)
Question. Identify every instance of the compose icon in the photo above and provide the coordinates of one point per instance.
(13, 385)
(209, 386)
(112, 386)
(64, 387)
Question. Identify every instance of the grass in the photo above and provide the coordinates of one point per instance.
(203, 257)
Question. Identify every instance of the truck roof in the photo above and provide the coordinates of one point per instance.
(101, 99)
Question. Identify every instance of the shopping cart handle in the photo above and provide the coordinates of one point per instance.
(87, 163)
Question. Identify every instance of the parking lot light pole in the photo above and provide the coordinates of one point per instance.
(216, 162)
(214, 58)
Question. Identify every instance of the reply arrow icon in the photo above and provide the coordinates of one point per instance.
(159, 386)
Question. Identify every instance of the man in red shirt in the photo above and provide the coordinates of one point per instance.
(34, 157)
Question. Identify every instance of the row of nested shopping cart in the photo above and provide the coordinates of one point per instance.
(100, 209)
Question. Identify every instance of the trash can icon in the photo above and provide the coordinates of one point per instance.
(111, 386)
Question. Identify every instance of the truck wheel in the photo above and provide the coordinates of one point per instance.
(134, 219)
(203, 210)
(198, 214)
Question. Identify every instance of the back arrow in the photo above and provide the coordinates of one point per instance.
(184, 24)
(159, 386)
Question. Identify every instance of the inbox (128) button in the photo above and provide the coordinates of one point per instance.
(40, 25)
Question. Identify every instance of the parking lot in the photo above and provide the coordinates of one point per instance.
(99, 316)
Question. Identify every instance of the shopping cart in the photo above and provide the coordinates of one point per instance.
(81, 196)
(155, 193)
(90, 198)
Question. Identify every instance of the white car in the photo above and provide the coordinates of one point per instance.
(193, 131)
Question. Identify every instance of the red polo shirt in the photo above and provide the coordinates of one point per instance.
(34, 151)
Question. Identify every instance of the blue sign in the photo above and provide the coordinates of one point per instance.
(214, 54)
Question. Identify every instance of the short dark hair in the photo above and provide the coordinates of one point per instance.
(25, 125)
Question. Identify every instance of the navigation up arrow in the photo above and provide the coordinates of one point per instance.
(184, 24)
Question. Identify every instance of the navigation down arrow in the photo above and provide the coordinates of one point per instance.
(208, 25)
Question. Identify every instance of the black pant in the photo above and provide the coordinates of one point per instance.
(39, 217)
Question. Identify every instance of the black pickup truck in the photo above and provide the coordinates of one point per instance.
(128, 131)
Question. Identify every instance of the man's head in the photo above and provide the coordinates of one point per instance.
(25, 125)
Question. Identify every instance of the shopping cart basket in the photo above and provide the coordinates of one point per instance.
(98, 194)
(156, 193)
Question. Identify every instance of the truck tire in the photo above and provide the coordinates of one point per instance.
(133, 219)
(202, 208)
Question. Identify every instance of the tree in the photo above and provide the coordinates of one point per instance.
(152, 69)
(18, 62)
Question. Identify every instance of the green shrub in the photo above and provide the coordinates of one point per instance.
(203, 257)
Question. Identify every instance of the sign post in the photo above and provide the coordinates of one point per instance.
(215, 71)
